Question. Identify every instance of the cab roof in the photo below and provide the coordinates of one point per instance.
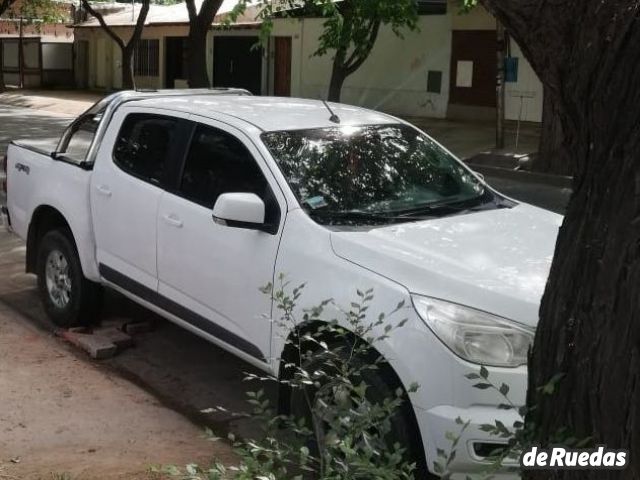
(268, 113)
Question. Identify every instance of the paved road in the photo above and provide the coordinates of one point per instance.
(544, 196)
(54, 403)
(182, 370)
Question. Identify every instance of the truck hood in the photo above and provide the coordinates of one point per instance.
(497, 261)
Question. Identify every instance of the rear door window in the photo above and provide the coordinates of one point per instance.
(144, 146)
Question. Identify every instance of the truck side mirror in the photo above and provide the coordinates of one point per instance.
(240, 210)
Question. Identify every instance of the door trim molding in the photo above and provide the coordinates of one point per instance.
(168, 305)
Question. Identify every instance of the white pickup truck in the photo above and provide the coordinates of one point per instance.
(188, 202)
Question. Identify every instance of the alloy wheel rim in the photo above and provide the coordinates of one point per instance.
(58, 279)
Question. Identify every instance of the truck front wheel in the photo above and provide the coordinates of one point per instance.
(69, 299)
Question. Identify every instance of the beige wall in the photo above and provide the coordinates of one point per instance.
(523, 99)
(393, 78)
(105, 57)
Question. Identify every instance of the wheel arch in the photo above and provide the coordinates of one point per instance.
(45, 218)
(290, 355)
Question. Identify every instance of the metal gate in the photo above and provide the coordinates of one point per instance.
(30, 74)
(44, 64)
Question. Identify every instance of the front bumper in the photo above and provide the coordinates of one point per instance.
(5, 220)
(442, 426)
(446, 393)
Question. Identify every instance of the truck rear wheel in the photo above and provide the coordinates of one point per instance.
(69, 299)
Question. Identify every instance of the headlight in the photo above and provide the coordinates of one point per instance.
(476, 336)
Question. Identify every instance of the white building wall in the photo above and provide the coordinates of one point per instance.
(523, 99)
(394, 77)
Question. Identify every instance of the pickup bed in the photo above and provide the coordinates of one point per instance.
(188, 202)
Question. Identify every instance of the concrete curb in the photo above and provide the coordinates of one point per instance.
(523, 175)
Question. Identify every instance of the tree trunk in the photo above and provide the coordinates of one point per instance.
(198, 76)
(3, 87)
(589, 319)
(500, 87)
(589, 327)
(128, 81)
(338, 76)
(551, 157)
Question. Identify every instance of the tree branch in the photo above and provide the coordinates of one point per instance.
(4, 5)
(98, 16)
(206, 14)
(191, 9)
(359, 56)
(142, 18)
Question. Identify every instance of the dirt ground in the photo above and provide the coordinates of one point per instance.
(63, 414)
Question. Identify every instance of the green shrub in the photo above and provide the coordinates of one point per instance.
(337, 429)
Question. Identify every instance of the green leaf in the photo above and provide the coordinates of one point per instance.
(482, 386)
(484, 373)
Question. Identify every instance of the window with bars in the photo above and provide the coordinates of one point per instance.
(146, 58)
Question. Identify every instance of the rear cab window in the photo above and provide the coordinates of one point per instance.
(77, 140)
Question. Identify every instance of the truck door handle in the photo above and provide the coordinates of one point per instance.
(103, 190)
(173, 220)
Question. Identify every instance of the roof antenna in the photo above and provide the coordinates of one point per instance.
(333, 118)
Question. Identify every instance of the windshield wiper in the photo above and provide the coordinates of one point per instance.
(458, 206)
(355, 216)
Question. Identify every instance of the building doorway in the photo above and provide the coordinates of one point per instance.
(82, 64)
(175, 61)
(237, 64)
(282, 67)
(472, 91)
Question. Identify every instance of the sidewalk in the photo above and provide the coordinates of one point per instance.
(65, 102)
(64, 414)
(468, 138)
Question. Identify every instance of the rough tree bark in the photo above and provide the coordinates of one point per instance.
(551, 156)
(4, 6)
(344, 64)
(587, 54)
(199, 24)
(128, 48)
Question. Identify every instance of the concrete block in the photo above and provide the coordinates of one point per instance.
(80, 330)
(135, 328)
(115, 336)
(114, 322)
(97, 347)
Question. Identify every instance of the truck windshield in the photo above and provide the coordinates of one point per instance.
(375, 174)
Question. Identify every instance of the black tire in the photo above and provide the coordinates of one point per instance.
(383, 384)
(83, 297)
